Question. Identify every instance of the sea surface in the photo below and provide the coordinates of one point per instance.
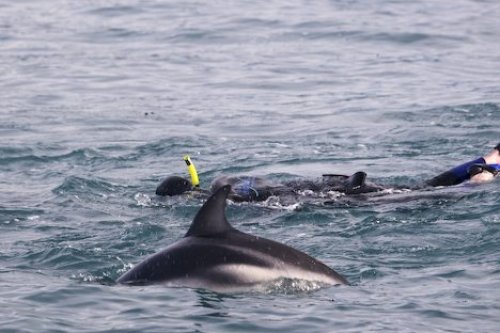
(100, 101)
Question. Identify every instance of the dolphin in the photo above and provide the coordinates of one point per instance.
(213, 255)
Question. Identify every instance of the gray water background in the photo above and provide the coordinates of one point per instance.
(99, 101)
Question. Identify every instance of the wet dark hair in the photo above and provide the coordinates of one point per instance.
(173, 185)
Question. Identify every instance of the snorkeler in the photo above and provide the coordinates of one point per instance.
(479, 170)
(248, 188)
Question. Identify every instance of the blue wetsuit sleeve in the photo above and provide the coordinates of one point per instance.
(462, 171)
(495, 166)
(456, 175)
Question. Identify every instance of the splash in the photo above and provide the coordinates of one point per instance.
(290, 286)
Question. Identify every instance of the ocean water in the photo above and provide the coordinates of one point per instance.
(100, 100)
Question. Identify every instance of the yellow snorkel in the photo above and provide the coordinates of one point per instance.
(195, 181)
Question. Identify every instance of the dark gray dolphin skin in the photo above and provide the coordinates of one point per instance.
(215, 256)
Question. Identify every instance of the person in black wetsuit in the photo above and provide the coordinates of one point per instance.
(248, 188)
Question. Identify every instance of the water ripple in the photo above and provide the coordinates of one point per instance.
(100, 102)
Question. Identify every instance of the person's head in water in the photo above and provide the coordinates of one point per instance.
(173, 185)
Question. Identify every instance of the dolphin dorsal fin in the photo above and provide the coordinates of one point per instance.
(211, 218)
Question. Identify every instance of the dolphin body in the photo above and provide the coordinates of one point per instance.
(213, 255)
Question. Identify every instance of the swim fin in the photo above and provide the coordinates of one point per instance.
(355, 183)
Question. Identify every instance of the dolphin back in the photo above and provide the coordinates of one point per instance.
(214, 255)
